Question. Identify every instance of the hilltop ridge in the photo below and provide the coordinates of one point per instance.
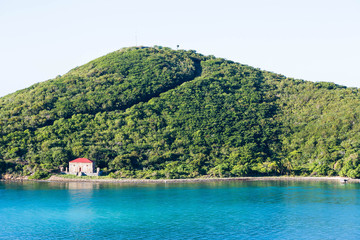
(161, 113)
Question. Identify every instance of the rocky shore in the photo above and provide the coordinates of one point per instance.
(10, 177)
(59, 178)
(56, 178)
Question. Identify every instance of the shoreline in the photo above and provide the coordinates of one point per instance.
(57, 178)
(199, 180)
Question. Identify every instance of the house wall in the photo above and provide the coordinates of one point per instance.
(84, 167)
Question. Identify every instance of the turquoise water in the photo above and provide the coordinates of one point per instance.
(227, 210)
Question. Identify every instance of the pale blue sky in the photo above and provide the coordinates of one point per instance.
(316, 40)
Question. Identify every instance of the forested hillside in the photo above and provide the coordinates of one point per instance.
(160, 113)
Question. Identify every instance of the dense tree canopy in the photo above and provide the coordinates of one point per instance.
(159, 113)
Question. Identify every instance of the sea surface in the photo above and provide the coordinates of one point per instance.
(214, 210)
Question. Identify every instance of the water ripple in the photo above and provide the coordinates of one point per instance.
(238, 210)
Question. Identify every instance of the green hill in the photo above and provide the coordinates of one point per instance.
(160, 113)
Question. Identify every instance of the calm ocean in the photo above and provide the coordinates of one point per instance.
(222, 210)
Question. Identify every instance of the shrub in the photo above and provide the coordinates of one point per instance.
(40, 175)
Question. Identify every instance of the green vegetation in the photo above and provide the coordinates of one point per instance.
(40, 175)
(158, 113)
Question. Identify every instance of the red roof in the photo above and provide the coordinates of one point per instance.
(82, 160)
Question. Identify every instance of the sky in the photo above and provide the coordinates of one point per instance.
(315, 40)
